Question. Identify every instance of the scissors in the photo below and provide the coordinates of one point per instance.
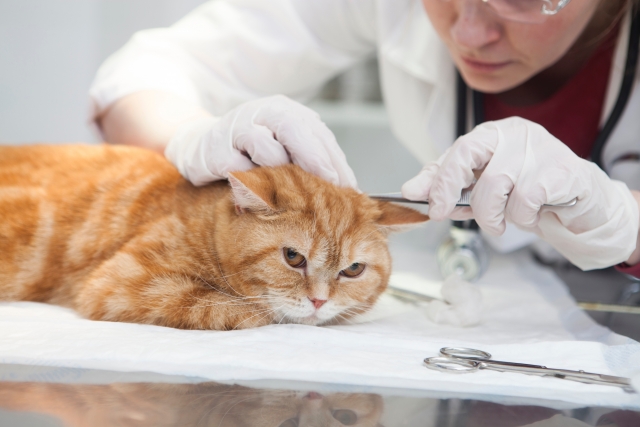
(465, 199)
(460, 360)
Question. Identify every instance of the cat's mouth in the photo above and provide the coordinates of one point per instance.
(303, 311)
(313, 319)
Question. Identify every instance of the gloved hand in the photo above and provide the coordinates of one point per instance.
(268, 132)
(524, 168)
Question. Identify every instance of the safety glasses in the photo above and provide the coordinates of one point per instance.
(528, 11)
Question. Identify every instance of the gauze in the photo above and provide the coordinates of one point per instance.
(463, 306)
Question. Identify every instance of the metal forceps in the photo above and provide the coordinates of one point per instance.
(460, 360)
(465, 199)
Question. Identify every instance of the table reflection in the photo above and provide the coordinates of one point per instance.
(222, 405)
(204, 404)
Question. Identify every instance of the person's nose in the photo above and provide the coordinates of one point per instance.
(475, 26)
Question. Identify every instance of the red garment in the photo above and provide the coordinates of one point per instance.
(572, 114)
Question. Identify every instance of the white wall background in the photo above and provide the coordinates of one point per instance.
(51, 49)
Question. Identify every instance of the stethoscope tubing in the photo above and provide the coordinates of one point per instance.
(631, 65)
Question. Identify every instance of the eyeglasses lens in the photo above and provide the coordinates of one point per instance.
(526, 11)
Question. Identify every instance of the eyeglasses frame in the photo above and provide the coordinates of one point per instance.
(547, 11)
(546, 7)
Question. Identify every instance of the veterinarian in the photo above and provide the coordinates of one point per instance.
(221, 91)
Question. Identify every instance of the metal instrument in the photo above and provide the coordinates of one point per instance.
(464, 360)
(463, 252)
(416, 297)
(465, 199)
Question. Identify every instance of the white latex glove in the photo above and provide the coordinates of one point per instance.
(524, 168)
(267, 132)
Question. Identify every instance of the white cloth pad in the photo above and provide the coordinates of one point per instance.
(528, 318)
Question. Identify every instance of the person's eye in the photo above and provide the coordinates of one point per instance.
(293, 258)
(354, 270)
(345, 417)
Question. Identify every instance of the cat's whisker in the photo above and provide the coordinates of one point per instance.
(199, 276)
(226, 304)
(225, 278)
(285, 315)
(233, 297)
(239, 297)
(345, 319)
(268, 311)
(236, 327)
(238, 301)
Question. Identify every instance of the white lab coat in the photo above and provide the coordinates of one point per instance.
(230, 51)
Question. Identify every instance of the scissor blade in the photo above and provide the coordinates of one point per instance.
(465, 199)
(609, 380)
(564, 374)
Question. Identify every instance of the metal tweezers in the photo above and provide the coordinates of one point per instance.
(465, 199)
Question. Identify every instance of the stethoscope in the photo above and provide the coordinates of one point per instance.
(464, 252)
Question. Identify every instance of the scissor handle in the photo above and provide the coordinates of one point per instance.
(451, 365)
(465, 353)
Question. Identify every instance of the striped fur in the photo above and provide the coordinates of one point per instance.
(117, 234)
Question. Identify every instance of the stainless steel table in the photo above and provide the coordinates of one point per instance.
(50, 396)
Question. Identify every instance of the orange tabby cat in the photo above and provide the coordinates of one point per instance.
(117, 234)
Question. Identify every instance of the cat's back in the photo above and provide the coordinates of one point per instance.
(43, 165)
(76, 177)
(67, 208)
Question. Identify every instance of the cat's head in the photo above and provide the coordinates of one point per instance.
(311, 250)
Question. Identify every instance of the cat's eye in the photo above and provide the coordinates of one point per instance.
(293, 258)
(345, 417)
(354, 270)
(291, 422)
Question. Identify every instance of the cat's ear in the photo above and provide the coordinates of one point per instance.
(396, 218)
(250, 193)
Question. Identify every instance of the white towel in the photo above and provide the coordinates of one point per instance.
(528, 318)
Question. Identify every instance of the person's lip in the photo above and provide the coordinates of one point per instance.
(484, 66)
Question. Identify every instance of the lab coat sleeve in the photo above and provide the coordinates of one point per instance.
(230, 51)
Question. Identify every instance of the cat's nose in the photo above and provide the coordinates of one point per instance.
(317, 303)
